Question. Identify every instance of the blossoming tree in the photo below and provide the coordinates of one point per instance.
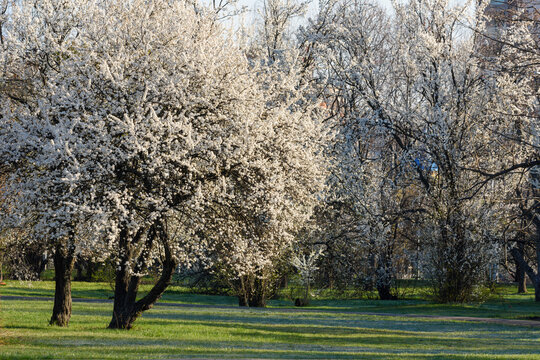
(420, 82)
(139, 115)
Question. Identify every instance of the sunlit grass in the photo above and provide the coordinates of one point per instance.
(504, 303)
(165, 332)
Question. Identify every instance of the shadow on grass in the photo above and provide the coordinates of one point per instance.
(237, 333)
(27, 327)
(256, 341)
(322, 318)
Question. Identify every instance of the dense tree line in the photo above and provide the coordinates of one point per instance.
(356, 148)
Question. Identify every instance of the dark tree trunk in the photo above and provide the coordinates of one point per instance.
(258, 295)
(385, 292)
(64, 259)
(454, 282)
(243, 288)
(521, 278)
(242, 300)
(371, 279)
(85, 269)
(90, 270)
(284, 282)
(385, 274)
(79, 270)
(532, 214)
(257, 300)
(126, 309)
(537, 289)
(534, 276)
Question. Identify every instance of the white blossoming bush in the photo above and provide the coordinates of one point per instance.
(271, 196)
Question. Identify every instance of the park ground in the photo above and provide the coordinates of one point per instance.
(186, 325)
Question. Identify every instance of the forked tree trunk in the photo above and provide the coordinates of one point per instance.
(533, 275)
(253, 292)
(126, 309)
(259, 293)
(64, 259)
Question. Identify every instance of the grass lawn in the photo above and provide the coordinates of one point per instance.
(165, 332)
(330, 329)
(504, 303)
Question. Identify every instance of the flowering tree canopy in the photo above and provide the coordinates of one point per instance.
(138, 113)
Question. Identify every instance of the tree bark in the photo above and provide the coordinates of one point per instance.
(521, 277)
(242, 302)
(534, 276)
(126, 309)
(384, 274)
(258, 295)
(252, 291)
(244, 288)
(385, 292)
(64, 259)
(532, 214)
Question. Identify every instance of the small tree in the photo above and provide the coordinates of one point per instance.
(306, 266)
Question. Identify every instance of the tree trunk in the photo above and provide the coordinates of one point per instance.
(257, 300)
(385, 292)
(534, 276)
(521, 278)
(78, 270)
(536, 280)
(243, 290)
(64, 259)
(252, 291)
(537, 289)
(284, 282)
(242, 300)
(258, 294)
(385, 276)
(126, 309)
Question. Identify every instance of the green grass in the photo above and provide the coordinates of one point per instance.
(504, 303)
(96, 290)
(253, 333)
(328, 329)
